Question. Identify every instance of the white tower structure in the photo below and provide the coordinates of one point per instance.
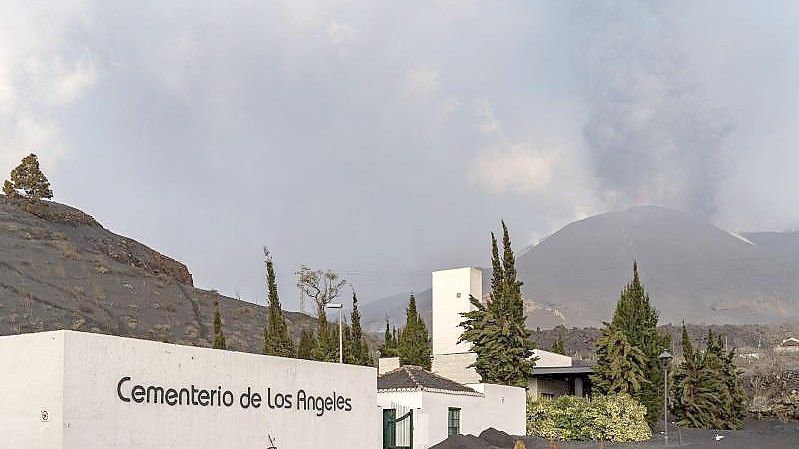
(451, 292)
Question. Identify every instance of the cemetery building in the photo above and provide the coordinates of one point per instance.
(74, 390)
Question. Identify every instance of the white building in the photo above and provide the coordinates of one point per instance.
(71, 390)
(790, 344)
(450, 398)
(554, 374)
(437, 407)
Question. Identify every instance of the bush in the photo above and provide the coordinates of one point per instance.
(617, 418)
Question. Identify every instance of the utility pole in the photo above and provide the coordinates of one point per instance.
(665, 360)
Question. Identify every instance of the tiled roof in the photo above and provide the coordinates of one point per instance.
(415, 378)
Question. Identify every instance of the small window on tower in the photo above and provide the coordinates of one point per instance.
(457, 295)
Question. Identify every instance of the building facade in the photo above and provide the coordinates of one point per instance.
(73, 390)
(437, 408)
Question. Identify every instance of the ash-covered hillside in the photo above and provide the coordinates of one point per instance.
(693, 270)
(60, 269)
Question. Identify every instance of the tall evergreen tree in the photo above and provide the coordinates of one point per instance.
(414, 341)
(706, 389)
(358, 347)
(306, 346)
(277, 340)
(558, 347)
(29, 178)
(497, 329)
(738, 397)
(637, 319)
(346, 342)
(513, 287)
(219, 335)
(389, 347)
(619, 364)
(326, 349)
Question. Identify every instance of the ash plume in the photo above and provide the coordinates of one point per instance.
(652, 137)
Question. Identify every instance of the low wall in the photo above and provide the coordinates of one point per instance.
(73, 390)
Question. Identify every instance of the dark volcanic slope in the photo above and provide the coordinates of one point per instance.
(693, 271)
(59, 269)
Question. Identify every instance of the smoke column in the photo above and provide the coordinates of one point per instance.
(651, 136)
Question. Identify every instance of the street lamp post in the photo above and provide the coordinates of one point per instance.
(340, 334)
(665, 360)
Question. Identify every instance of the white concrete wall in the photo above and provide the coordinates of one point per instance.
(31, 378)
(433, 421)
(95, 417)
(504, 408)
(548, 359)
(386, 364)
(451, 290)
(456, 367)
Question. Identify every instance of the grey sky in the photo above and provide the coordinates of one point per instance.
(386, 139)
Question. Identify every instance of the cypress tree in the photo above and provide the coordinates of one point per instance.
(513, 287)
(359, 349)
(277, 340)
(219, 335)
(389, 347)
(414, 341)
(738, 397)
(497, 275)
(637, 319)
(306, 346)
(346, 341)
(706, 388)
(619, 364)
(557, 347)
(29, 178)
(497, 330)
(326, 348)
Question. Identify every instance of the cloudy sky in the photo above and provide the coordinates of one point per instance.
(387, 139)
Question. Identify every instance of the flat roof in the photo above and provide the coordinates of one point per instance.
(579, 369)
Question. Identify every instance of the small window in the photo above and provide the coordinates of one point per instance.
(454, 422)
(457, 295)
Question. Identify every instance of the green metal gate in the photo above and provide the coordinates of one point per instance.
(397, 432)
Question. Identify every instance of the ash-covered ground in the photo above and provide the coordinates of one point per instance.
(756, 435)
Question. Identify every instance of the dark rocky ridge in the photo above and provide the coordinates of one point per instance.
(60, 269)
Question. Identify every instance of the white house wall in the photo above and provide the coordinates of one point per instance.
(31, 375)
(504, 408)
(433, 421)
(547, 359)
(500, 407)
(100, 374)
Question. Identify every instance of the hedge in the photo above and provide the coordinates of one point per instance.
(616, 418)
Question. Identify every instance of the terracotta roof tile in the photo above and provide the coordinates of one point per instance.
(415, 378)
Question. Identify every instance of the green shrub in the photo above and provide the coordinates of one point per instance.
(617, 418)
